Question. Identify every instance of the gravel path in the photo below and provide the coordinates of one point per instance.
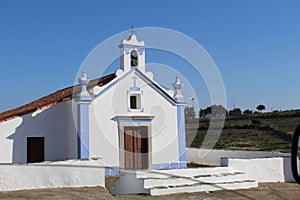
(266, 191)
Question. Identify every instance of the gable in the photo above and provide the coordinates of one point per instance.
(150, 82)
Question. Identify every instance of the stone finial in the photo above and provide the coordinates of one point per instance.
(177, 85)
(83, 94)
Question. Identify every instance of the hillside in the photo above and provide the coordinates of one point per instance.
(260, 131)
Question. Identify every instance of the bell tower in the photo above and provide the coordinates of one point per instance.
(132, 53)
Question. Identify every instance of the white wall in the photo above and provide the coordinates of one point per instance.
(7, 129)
(51, 123)
(263, 169)
(104, 138)
(72, 129)
(259, 165)
(213, 157)
(51, 175)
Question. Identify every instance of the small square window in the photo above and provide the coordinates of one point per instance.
(135, 101)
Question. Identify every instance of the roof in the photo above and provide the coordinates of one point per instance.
(54, 98)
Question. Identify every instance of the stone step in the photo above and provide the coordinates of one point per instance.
(161, 182)
(203, 187)
(182, 172)
(214, 178)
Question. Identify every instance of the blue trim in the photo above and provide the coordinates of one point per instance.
(130, 46)
(134, 120)
(141, 51)
(169, 165)
(180, 100)
(181, 134)
(174, 165)
(134, 88)
(182, 165)
(83, 131)
(112, 170)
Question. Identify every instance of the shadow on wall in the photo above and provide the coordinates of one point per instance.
(288, 175)
(50, 123)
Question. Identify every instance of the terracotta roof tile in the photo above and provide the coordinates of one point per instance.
(54, 98)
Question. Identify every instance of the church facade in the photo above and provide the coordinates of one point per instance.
(126, 120)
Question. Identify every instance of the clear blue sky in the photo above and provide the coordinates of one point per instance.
(255, 44)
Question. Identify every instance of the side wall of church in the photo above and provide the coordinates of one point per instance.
(50, 123)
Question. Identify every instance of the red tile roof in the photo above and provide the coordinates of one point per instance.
(54, 98)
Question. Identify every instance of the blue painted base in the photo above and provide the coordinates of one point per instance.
(170, 165)
(180, 165)
(112, 170)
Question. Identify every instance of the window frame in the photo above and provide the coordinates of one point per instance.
(139, 101)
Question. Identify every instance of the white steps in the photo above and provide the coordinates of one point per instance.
(202, 188)
(161, 182)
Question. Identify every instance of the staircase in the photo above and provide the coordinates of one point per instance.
(161, 182)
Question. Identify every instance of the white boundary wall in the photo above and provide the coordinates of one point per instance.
(213, 157)
(259, 165)
(263, 169)
(51, 175)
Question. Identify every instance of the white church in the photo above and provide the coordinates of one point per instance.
(125, 122)
(117, 119)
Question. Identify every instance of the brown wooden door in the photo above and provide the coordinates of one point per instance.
(35, 149)
(136, 147)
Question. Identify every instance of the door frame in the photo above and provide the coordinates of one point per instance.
(131, 121)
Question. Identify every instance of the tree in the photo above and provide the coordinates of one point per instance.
(235, 112)
(205, 113)
(247, 112)
(260, 107)
(213, 111)
(218, 111)
(189, 113)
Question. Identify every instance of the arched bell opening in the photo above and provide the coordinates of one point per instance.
(134, 58)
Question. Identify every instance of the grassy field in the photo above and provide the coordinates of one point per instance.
(260, 132)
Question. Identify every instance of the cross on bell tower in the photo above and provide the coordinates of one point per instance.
(132, 31)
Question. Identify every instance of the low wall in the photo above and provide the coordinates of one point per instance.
(263, 169)
(51, 175)
(213, 157)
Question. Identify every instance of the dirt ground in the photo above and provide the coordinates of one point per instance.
(266, 191)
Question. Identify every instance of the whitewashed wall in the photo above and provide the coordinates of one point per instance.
(213, 157)
(7, 129)
(263, 169)
(51, 123)
(104, 139)
(259, 165)
(72, 129)
(51, 175)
